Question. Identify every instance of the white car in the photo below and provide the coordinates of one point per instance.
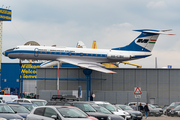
(58, 113)
(38, 102)
(113, 109)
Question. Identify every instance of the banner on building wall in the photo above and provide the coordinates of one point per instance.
(29, 70)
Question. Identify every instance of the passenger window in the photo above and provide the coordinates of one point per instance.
(19, 100)
(39, 111)
(26, 101)
(49, 112)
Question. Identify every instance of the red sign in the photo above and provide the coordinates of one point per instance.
(137, 91)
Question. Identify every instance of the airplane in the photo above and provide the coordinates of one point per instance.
(88, 58)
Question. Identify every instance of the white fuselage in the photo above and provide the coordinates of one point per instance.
(93, 55)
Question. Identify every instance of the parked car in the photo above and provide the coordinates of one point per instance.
(7, 98)
(132, 103)
(175, 111)
(7, 113)
(58, 113)
(86, 107)
(28, 106)
(105, 111)
(113, 109)
(38, 102)
(156, 105)
(170, 107)
(20, 110)
(154, 111)
(164, 109)
(135, 115)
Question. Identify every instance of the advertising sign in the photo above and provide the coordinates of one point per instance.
(28, 70)
(5, 14)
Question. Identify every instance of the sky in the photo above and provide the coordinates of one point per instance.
(109, 22)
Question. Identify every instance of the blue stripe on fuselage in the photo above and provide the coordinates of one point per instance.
(140, 56)
(56, 53)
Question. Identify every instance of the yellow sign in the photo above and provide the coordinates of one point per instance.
(28, 71)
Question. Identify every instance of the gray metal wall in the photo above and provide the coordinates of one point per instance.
(160, 85)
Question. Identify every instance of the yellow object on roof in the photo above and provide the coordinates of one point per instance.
(94, 46)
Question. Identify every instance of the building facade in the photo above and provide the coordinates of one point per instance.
(159, 86)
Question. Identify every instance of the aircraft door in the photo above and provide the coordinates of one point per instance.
(36, 53)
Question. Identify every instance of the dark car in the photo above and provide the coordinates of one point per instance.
(170, 107)
(154, 111)
(175, 111)
(105, 111)
(135, 115)
(86, 107)
(7, 113)
(20, 110)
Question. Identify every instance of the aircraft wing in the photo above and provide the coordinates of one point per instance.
(86, 64)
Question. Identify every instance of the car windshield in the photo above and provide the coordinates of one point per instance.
(5, 109)
(123, 107)
(84, 107)
(174, 104)
(72, 113)
(39, 103)
(29, 107)
(177, 108)
(101, 109)
(152, 106)
(20, 109)
(109, 107)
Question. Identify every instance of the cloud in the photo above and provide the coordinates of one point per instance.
(159, 4)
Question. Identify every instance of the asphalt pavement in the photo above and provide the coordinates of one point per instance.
(163, 117)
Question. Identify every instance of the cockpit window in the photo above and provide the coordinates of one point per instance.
(16, 48)
(10, 49)
(13, 49)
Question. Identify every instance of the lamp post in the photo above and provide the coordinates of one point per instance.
(20, 81)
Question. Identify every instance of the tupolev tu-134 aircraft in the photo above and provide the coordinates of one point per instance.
(140, 47)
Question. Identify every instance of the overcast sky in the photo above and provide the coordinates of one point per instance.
(109, 22)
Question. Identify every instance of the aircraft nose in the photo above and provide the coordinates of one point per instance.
(4, 53)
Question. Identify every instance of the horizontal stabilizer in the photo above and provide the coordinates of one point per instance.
(155, 31)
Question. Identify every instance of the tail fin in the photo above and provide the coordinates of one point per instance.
(145, 41)
(94, 45)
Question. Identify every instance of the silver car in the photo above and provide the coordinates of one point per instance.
(58, 113)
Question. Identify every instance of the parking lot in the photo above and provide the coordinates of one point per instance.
(163, 117)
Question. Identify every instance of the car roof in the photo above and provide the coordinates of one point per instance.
(14, 105)
(19, 103)
(51, 106)
(30, 99)
(121, 105)
(100, 102)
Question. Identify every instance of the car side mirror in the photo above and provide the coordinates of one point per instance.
(55, 117)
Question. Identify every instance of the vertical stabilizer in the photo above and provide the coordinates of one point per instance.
(144, 42)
